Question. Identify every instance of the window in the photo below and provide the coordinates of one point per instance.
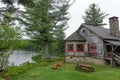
(70, 47)
(83, 31)
(80, 47)
(92, 49)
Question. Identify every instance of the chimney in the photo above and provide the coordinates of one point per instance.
(114, 26)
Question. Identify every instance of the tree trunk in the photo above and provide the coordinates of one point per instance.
(46, 54)
(4, 59)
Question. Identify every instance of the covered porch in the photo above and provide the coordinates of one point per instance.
(112, 52)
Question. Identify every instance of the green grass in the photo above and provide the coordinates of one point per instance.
(68, 72)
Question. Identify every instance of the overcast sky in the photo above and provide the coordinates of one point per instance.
(77, 10)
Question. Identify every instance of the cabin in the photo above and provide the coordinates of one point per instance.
(95, 44)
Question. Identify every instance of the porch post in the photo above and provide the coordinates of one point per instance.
(104, 50)
(74, 48)
(112, 58)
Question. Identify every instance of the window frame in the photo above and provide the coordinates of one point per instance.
(70, 48)
(79, 47)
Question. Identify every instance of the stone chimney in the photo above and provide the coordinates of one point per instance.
(114, 26)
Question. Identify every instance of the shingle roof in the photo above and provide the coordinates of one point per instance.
(101, 32)
(75, 37)
(113, 42)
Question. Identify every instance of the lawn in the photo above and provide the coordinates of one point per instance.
(67, 72)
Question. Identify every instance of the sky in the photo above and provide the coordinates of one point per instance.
(77, 10)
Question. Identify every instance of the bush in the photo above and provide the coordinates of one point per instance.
(37, 58)
(43, 64)
(15, 70)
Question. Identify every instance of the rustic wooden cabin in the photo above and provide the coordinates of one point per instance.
(95, 44)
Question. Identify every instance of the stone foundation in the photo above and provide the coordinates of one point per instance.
(85, 59)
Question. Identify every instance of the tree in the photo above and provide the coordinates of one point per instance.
(8, 36)
(39, 24)
(46, 20)
(9, 6)
(94, 16)
(61, 16)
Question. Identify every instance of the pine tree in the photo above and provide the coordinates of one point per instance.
(94, 16)
(8, 6)
(46, 22)
(40, 25)
(60, 16)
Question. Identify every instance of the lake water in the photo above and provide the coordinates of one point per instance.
(20, 56)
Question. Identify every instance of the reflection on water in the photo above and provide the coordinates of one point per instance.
(20, 56)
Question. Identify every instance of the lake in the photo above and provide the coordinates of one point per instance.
(20, 56)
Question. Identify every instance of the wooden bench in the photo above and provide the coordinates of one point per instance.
(84, 67)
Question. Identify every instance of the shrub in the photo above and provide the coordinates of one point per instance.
(37, 58)
(15, 70)
(44, 64)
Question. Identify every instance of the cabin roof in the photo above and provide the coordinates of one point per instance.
(101, 32)
(75, 37)
(113, 42)
(104, 33)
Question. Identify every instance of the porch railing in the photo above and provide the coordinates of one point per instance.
(116, 58)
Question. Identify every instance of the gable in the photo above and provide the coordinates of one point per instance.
(99, 31)
(75, 37)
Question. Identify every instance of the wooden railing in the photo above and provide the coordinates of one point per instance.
(116, 58)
